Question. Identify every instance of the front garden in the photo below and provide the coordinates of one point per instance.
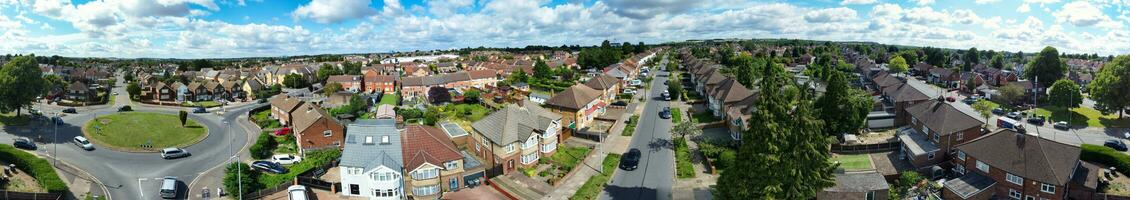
(683, 166)
(38, 169)
(143, 131)
(254, 180)
(263, 119)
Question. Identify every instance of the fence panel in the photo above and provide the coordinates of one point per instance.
(866, 148)
(29, 195)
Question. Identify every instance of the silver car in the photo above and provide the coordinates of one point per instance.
(172, 153)
(83, 143)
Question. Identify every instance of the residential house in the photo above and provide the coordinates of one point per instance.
(936, 127)
(79, 92)
(432, 162)
(164, 92)
(282, 106)
(516, 136)
(921, 69)
(908, 93)
(1007, 164)
(998, 77)
(351, 83)
(372, 164)
(251, 87)
(946, 77)
(314, 128)
(375, 83)
(608, 86)
(416, 70)
(865, 185)
(579, 105)
(233, 90)
(196, 92)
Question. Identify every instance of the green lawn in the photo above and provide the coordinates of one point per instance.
(389, 99)
(683, 166)
(263, 119)
(855, 162)
(568, 157)
(630, 127)
(312, 160)
(1082, 116)
(704, 117)
(676, 115)
(128, 131)
(468, 112)
(33, 166)
(10, 119)
(591, 189)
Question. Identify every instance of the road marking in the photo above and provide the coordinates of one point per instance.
(139, 189)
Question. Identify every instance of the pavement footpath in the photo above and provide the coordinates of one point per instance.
(214, 178)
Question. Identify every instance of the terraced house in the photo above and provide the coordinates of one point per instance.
(516, 136)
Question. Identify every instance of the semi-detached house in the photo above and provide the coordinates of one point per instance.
(936, 127)
(516, 136)
(579, 105)
(1010, 165)
(372, 164)
(433, 163)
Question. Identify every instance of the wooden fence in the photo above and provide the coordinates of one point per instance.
(264, 192)
(4, 194)
(865, 148)
(1104, 196)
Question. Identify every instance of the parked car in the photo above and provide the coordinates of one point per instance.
(172, 153)
(83, 143)
(1062, 125)
(262, 101)
(1037, 120)
(629, 91)
(296, 192)
(631, 160)
(285, 159)
(635, 82)
(665, 113)
(115, 93)
(969, 100)
(619, 103)
(998, 111)
(1115, 144)
(24, 143)
(950, 99)
(199, 110)
(125, 109)
(168, 187)
(268, 166)
(70, 110)
(666, 96)
(1014, 115)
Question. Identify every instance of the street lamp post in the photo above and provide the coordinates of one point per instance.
(55, 140)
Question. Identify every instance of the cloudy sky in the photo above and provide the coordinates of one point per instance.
(243, 28)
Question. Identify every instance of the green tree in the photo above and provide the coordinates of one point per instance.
(331, 88)
(1065, 94)
(904, 183)
(1046, 68)
(263, 146)
(542, 70)
(1011, 93)
(183, 116)
(685, 128)
(971, 58)
(133, 89)
(935, 56)
(785, 153)
(351, 68)
(1111, 87)
(326, 71)
(843, 108)
(295, 81)
(471, 96)
(54, 82)
(997, 61)
(898, 65)
(984, 108)
(238, 176)
(675, 87)
(22, 82)
(911, 56)
(517, 76)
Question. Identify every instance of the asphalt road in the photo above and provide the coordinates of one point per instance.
(654, 177)
(136, 175)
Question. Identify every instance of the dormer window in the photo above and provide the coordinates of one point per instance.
(368, 139)
(384, 139)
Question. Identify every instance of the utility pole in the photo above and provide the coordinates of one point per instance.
(55, 141)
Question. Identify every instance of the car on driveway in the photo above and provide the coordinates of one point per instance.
(665, 113)
(83, 143)
(297, 192)
(969, 100)
(1014, 115)
(285, 159)
(619, 103)
(268, 166)
(629, 91)
(631, 160)
(24, 143)
(172, 153)
(1062, 125)
(1115, 144)
(998, 111)
(70, 110)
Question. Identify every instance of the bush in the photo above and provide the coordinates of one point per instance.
(34, 167)
(630, 127)
(726, 159)
(237, 173)
(312, 160)
(263, 146)
(1106, 156)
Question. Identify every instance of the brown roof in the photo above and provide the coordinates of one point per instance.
(482, 74)
(343, 79)
(306, 115)
(943, 117)
(730, 91)
(412, 81)
(285, 102)
(193, 86)
(1027, 156)
(602, 82)
(575, 97)
(211, 85)
(426, 144)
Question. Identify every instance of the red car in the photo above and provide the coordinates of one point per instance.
(950, 99)
(282, 131)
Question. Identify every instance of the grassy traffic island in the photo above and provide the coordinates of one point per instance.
(142, 131)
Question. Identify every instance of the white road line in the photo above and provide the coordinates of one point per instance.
(139, 189)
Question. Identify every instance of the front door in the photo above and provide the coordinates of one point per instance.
(354, 189)
(454, 184)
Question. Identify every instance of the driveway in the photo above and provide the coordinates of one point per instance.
(654, 177)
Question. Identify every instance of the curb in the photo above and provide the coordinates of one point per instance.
(245, 146)
(105, 190)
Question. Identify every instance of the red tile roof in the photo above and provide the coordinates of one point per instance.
(426, 144)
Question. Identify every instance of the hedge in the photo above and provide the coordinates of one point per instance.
(34, 167)
(1106, 156)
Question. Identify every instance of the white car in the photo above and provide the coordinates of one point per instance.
(83, 143)
(636, 82)
(285, 159)
(296, 192)
(629, 91)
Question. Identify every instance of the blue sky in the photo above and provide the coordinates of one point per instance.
(245, 28)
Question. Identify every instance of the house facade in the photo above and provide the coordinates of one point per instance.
(314, 128)
(579, 105)
(432, 162)
(516, 136)
(282, 106)
(936, 127)
(1007, 164)
(372, 164)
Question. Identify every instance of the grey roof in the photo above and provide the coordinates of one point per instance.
(452, 129)
(514, 123)
(943, 117)
(469, 161)
(1028, 156)
(916, 142)
(969, 184)
(858, 182)
(357, 153)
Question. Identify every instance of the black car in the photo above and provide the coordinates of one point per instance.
(24, 143)
(125, 109)
(969, 100)
(998, 111)
(269, 167)
(620, 103)
(199, 110)
(1115, 144)
(631, 160)
(70, 110)
(665, 113)
(1037, 120)
(1061, 125)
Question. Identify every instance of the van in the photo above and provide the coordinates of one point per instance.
(297, 192)
(169, 187)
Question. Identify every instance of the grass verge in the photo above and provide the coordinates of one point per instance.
(34, 166)
(676, 115)
(10, 119)
(568, 157)
(591, 189)
(129, 130)
(630, 127)
(683, 166)
(263, 119)
(1082, 116)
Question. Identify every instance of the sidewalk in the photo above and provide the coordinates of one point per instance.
(79, 182)
(214, 178)
(613, 143)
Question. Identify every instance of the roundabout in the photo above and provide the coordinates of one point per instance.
(143, 131)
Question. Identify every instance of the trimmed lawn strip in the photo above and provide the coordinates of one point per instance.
(129, 130)
(854, 162)
(206, 104)
(35, 167)
(568, 157)
(263, 119)
(704, 117)
(1082, 116)
(630, 127)
(591, 189)
(676, 115)
(389, 99)
(683, 166)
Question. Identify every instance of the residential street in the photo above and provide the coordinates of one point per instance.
(655, 175)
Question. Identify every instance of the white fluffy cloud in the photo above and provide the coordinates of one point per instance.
(334, 11)
(1084, 14)
(830, 15)
(858, 2)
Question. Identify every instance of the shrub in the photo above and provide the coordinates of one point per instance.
(1106, 156)
(263, 146)
(237, 173)
(312, 160)
(34, 167)
(727, 159)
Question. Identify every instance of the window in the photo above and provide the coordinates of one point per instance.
(546, 148)
(914, 120)
(450, 165)
(426, 190)
(368, 139)
(384, 176)
(1029, 198)
(870, 195)
(530, 143)
(1013, 194)
(1044, 187)
(425, 174)
(960, 169)
(354, 189)
(925, 130)
(960, 136)
(961, 155)
(327, 133)
(930, 156)
(477, 148)
(936, 137)
(1013, 179)
(509, 148)
(384, 139)
(530, 158)
(982, 166)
